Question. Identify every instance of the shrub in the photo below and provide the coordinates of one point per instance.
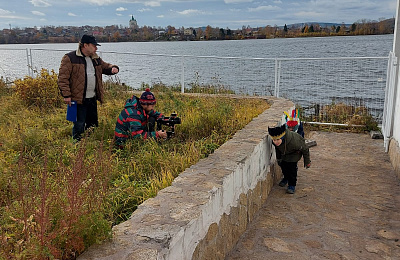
(41, 91)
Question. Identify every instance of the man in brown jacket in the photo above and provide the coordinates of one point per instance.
(80, 80)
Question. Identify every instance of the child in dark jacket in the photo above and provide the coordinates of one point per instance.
(289, 147)
(134, 120)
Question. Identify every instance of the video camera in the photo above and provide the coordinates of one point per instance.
(170, 121)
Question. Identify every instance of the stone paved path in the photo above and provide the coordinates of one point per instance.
(346, 206)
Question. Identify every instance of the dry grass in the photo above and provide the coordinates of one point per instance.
(57, 197)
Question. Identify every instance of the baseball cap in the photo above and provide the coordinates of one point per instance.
(89, 39)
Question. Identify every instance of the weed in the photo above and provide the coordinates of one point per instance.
(4, 87)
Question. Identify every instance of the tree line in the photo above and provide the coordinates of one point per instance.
(117, 33)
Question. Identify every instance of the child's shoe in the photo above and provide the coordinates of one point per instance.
(291, 189)
(283, 183)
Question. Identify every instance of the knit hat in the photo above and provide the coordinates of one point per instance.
(277, 132)
(292, 123)
(147, 98)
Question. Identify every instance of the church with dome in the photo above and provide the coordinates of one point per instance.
(133, 23)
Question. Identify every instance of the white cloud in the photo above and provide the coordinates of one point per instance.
(71, 14)
(308, 14)
(5, 12)
(38, 13)
(121, 9)
(40, 3)
(189, 11)
(277, 2)
(160, 16)
(10, 15)
(264, 8)
(99, 2)
(118, 14)
(109, 2)
(192, 12)
(144, 10)
(237, 1)
(152, 3)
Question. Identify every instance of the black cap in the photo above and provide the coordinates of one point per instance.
(277, 132)
(89, 39)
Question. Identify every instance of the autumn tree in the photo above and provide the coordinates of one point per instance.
(116, 36)
(268, 31)
(147, 33)
(199, 34)
(385, 26)
(208, 32)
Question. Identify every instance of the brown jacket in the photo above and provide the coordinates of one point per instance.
(72, 76)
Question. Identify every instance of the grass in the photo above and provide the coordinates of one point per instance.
(57, 197)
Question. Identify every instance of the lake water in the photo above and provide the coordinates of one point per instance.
(294, 67)
(13, 58)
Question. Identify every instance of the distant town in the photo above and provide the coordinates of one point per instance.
(134, 33)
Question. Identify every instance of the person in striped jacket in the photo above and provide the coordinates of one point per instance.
(137, 120)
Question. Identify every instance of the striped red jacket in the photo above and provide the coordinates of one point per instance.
(133, 121)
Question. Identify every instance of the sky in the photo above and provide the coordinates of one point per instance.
(232, 14)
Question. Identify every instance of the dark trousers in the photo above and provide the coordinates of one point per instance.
(86, 117)
(289, 170)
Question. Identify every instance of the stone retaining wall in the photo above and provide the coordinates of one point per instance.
(205, 210)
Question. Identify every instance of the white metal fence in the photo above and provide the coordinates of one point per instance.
(309, 82)
(358, 82)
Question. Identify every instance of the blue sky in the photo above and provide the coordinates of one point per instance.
(231, 14)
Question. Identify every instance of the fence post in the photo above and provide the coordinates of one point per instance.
(183, 75)
(30, 54)
(277, 76)
(29, 62)
(390, 100)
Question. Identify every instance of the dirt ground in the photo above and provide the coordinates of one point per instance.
(346, 206)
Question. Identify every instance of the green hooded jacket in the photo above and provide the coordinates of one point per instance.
(292, 148)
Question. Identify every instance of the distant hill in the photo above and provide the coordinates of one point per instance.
(322, 24)
(389, 22)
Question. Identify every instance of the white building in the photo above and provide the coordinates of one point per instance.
(133, 23)
(391, 119)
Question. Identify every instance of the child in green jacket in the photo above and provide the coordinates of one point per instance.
(289, 147)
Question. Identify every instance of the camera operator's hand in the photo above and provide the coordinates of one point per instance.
(162, 134)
